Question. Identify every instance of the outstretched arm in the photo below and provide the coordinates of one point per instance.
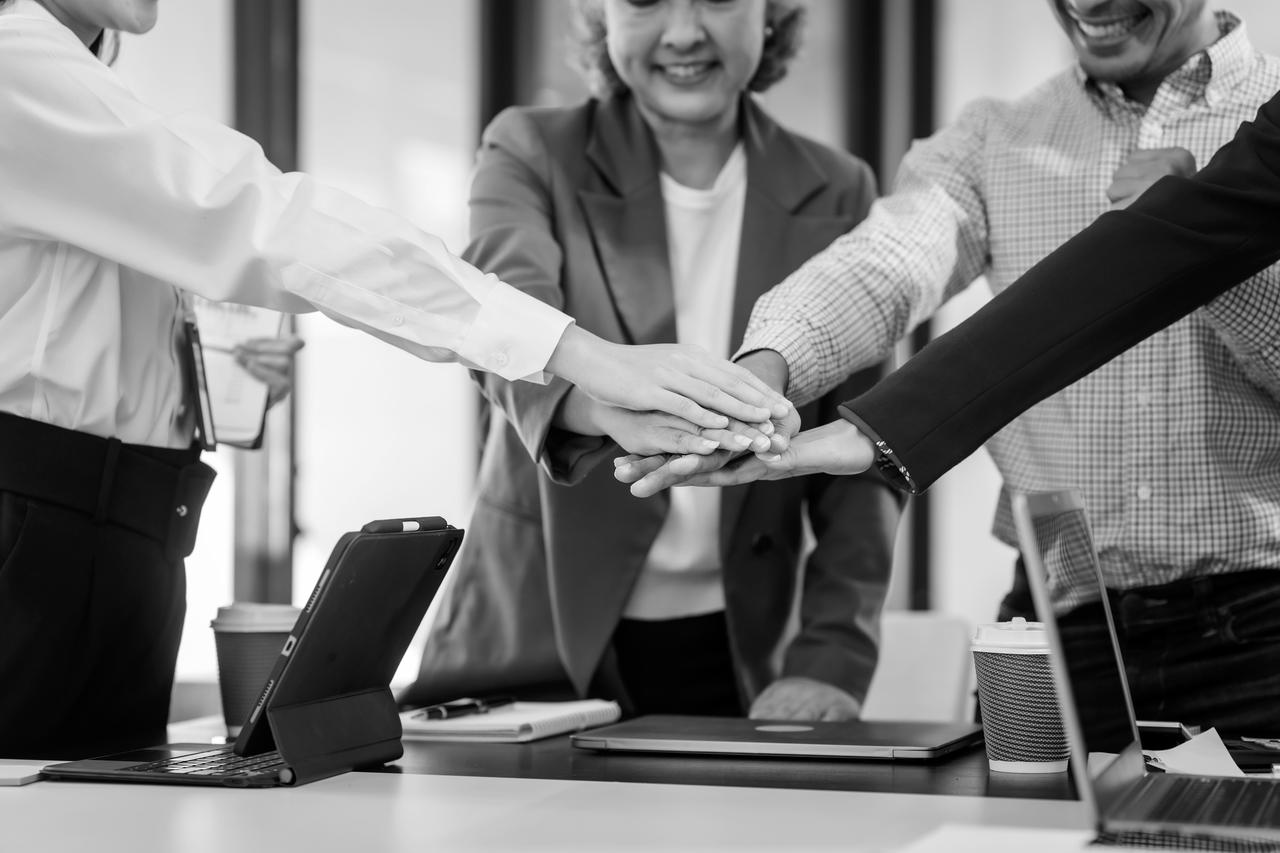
(1125, 277)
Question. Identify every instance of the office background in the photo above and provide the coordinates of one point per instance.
(386, 99)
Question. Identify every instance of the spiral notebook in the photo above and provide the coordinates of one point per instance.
(514, 723)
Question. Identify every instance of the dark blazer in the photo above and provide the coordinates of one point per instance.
(1125, 277)
(566, 204)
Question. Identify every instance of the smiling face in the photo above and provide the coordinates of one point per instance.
(1135, 43)
(88, 18)
(686, 62)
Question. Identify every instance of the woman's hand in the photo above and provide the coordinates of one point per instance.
(678, 379)
(835, 448)
(270, 361)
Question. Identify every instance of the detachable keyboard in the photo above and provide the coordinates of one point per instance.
(215, 762)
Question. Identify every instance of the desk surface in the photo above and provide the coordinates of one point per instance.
(410, 812)
(543, 795)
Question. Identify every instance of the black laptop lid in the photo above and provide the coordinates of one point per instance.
(361, 616)
(1093, 691)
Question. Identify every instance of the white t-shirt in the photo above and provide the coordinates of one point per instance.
(681, 576)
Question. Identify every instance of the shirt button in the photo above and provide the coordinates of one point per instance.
(1144, 493)
(498, 360)
(397, 320)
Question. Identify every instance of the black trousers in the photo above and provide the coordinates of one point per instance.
(676, 666)
(1202, 651)
(91, 601)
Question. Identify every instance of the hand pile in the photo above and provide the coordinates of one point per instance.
(689, 418)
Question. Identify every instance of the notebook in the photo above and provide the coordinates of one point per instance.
(515, 723)
(894, 741)
(326, 707)
(1128, 804)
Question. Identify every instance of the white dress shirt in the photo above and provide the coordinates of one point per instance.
(682, 576)
(109, 208)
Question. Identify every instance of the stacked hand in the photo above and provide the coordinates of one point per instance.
(667, 398)
(834, 448)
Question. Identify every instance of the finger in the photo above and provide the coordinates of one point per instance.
(683, 406)
(747, 470)
(668, 440)
(727, 439)
(619, 461)
(674, 473)
(630, 472)
(753, 438)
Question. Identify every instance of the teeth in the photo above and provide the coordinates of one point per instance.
(1109, 29)
(688, 70)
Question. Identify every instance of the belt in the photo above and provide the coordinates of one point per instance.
(154, 492)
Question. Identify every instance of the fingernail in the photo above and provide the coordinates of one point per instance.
(742, 441)
(709, 445)
(619, 461)
(760, 444)
(772, 457)
(766, 428)
(624, 468)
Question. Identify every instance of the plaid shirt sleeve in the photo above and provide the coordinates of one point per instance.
(847, 306)
(1247, 319)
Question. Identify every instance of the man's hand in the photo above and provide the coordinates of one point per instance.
(270, 361)
(835, 448)
(1143, 168)
(678, 379)
(654, 433)
(798, 698)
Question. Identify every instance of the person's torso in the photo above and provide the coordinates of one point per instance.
(1173, 446)
(90, 346)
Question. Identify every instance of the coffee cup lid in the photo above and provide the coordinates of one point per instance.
(255, 616)
(1016, 635)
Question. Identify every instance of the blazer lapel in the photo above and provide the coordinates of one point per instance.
(627, 223)
(776, 239)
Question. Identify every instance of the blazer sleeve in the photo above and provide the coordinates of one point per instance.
(846, 576)
(512, 237)
(1128, 275)
(854, 521)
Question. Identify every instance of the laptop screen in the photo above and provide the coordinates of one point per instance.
(1096, 707)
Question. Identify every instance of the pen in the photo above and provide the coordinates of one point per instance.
(462, 707)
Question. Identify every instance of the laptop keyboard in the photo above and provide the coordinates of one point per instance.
(214, 762)
(1222, 802)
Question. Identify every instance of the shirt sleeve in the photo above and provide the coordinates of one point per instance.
(193, 203)
(1247, 319)
(847, 306)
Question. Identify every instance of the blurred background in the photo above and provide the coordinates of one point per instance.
(386, 99)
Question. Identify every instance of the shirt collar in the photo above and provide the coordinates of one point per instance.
(1210, 74)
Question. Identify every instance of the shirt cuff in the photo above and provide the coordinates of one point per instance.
(887, 462)
(803, 377)
(513, 335)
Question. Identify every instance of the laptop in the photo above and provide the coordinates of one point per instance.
(1129, 804)
(891, 741)
(326, 707)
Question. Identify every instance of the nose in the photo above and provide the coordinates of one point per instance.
(684, 25)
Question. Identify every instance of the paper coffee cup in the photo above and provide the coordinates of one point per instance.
(1021, 721)
(248, 637)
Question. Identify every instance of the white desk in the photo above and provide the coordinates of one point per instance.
(418, 814)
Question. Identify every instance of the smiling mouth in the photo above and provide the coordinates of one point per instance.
(687, 71)
(1111, 28)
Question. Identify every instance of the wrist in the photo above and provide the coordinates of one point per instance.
(579, 413)
(769, 366)
(574, 353)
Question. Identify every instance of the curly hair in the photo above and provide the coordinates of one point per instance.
(590, 53)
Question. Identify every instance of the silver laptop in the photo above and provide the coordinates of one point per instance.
(1129, 804)
(785, 739)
